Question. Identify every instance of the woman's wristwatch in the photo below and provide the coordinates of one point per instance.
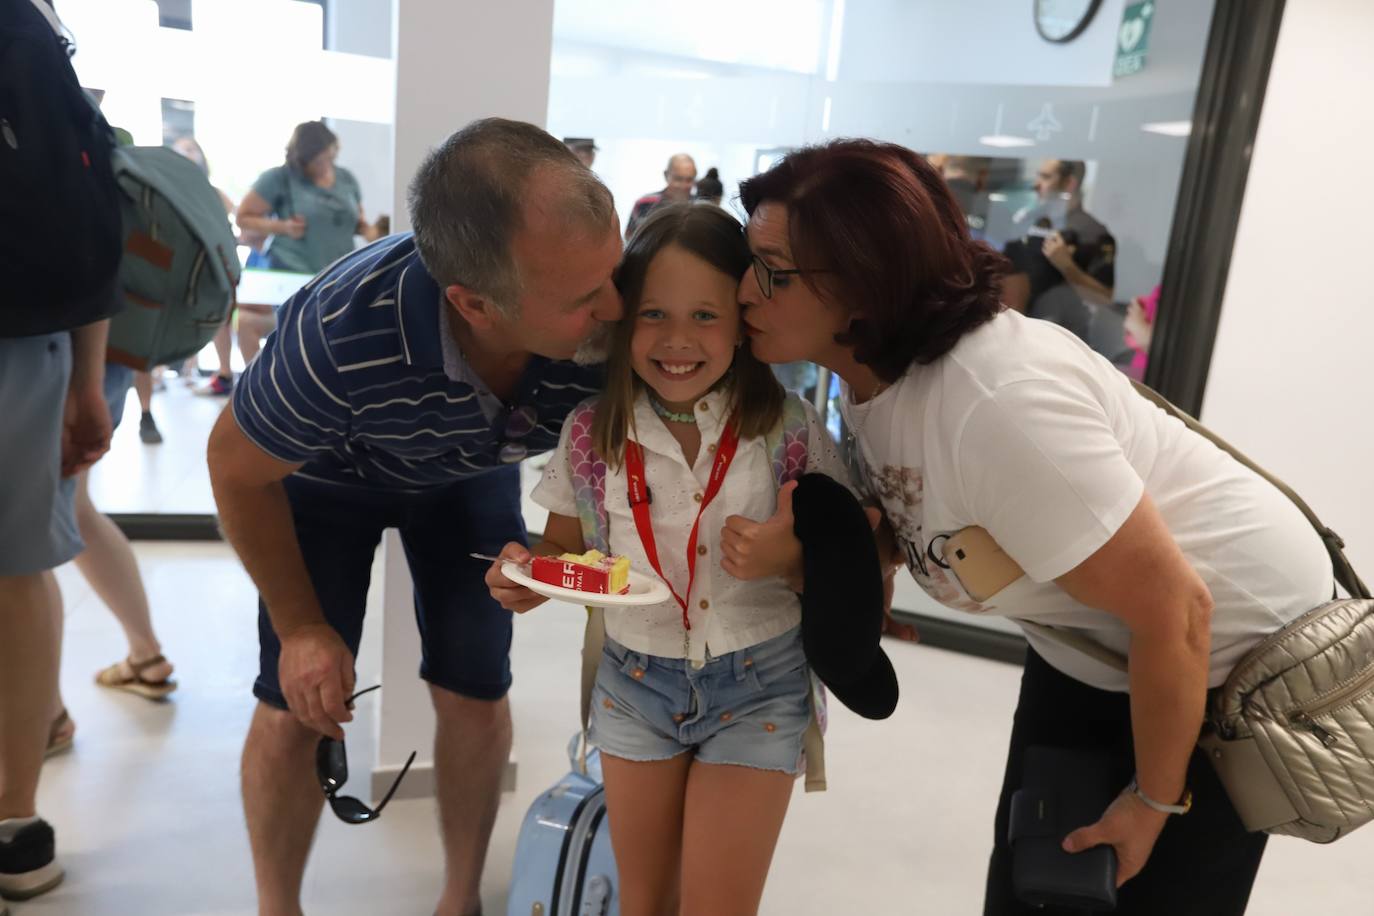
(1184, 805)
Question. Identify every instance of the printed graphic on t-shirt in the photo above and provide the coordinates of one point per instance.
(902, 491)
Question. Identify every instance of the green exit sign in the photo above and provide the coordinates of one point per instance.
(1133, 38)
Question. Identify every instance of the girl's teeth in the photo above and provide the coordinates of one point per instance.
(677, 370)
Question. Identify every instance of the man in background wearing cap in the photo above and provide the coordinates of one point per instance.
(584, 148)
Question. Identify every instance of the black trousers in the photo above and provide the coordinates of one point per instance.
(1204, 863)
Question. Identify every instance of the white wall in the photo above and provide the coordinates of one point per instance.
(1290, 382)
(456, 62)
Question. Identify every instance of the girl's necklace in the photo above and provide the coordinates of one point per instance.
(673, 415)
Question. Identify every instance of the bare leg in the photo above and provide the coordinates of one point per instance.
(471, 748)
(644, 801)
(253, 327)
(143, 384)
(109, 566)
(222, 340)
(281, 803)
(28, 686)
(733, 817)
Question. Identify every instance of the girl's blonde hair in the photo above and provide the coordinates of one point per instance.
(754, 394)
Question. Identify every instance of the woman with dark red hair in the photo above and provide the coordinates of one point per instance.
(1118, 523)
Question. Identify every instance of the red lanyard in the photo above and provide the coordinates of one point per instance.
(640, 499)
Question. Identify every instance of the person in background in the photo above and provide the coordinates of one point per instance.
(709, 189)
(223, 380)
(109, 566)
(308, 210)
(584, 148)
(53, 332)
(967, 179)
(678, 177)
(1068, 267)
(1139, 330)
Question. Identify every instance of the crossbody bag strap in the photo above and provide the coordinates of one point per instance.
(1345, 573)
(1079, 643)
(589, 492)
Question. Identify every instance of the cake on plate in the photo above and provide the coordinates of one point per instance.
(592, 571)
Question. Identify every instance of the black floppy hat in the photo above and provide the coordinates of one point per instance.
(842, 607)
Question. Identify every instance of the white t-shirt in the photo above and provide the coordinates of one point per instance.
(1023, 430)
(727, 614)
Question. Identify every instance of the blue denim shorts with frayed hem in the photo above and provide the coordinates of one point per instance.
(747, 708)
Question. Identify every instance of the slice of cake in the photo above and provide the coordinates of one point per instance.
(592, 571)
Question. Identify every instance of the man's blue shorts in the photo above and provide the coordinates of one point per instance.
(464, 634)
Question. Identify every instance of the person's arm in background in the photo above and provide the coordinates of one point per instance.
(1016, 292)
(369, 231)
(1142, 577)
(255, 217)
(1090, 288)
(86, 424)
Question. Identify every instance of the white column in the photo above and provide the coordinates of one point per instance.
(455, 62)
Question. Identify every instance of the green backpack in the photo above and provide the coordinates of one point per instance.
(180, 265)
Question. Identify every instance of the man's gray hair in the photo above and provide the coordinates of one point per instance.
(467, 201)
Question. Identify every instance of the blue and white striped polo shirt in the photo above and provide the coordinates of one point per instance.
(352, 382)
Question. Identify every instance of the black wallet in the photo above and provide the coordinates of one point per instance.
(1062, 789)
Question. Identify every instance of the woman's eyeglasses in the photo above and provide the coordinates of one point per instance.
(331, 768)
(519, 424)
(767, 275)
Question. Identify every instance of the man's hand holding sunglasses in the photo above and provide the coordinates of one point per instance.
(315, 671)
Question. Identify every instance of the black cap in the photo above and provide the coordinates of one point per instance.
(842, 607)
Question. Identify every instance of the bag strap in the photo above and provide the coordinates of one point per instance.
(788, 441)
(588, 471)
(1335, 546)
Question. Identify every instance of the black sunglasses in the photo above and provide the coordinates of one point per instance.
(331, 768)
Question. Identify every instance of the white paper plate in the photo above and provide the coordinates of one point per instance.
(643, 589)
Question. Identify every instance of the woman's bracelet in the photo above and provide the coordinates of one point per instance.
(1184, 805)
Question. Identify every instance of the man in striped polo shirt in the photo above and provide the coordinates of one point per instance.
(401, 389)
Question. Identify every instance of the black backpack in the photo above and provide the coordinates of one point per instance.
(60, 232)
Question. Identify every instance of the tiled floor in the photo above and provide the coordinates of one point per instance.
(146, 805)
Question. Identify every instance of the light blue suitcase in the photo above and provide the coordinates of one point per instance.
(564, 865)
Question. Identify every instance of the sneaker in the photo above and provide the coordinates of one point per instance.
(28, 863)
(147, 430)
(219, 385)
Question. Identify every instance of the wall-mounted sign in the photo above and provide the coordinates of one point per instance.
(1133, 38)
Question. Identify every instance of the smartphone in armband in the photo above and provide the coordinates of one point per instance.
(979, 563)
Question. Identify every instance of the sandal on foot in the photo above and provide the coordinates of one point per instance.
(60, 734)
(128, 675)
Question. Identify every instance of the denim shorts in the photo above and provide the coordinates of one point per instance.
(748, 708)
(37, 517)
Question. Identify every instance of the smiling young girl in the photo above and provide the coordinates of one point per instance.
(700, 704)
